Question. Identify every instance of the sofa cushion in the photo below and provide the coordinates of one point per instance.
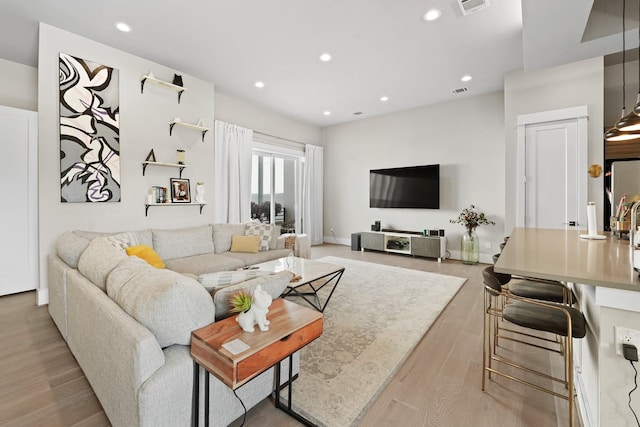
(222, 235)
(146, 253)
(98, 259)
(206, 263)
(183, 242)
(69, 247)
(275, 233)
(247, 244)
(273, 284)
(167, 303)
(131, 238)
(220, 279)
(263, 231)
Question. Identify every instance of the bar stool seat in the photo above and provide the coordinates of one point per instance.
(546, 291)
(545, 318)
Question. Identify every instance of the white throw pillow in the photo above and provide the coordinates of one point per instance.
(261, 230)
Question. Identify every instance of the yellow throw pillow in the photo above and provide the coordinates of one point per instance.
(248, 244)
(147, 254)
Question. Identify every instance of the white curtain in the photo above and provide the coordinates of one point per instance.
(312, 196)
(231, 201)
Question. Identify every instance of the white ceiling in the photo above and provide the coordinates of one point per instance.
(379, 47)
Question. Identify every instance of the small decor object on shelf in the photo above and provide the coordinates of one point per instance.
(180, 192)
(256, 313)
(181, 157)
(151, 157)
(200, 192)
(177, 80)
(470, 244)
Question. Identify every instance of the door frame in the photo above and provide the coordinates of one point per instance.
(581, 115)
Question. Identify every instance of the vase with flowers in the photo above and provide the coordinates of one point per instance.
(471, 219)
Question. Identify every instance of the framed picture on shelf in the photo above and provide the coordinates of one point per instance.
(180, 190)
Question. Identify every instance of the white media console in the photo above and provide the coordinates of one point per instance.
(402, 242)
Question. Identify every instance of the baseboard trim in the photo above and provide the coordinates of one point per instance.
(42, 296)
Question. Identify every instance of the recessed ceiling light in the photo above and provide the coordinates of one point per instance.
(259, 84)
(325, 57)
(432, 15)
(123, 27)
(384, 98)
(466, 78)
(327, 113)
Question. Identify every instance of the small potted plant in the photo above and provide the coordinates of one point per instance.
(240, 302)
(470, 244)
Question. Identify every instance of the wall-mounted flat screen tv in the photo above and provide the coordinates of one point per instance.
(408, 187)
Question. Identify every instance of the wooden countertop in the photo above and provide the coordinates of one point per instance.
(563, 255)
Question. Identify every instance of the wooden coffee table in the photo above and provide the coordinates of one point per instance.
(292, 327)
(314, 276)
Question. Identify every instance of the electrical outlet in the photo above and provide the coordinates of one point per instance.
(626, 336)
(331, 230)
(487, 245)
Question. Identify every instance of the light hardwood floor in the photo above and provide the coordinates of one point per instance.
(439, 384)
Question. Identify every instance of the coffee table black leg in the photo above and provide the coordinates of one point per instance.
(196, 394)
(293, 290)
(279, 404)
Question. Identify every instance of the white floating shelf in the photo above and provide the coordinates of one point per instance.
(148, 205)
(163, 83)
(169, 165)
(188, 126)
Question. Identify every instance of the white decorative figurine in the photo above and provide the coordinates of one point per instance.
(200, 192)
(257, 314)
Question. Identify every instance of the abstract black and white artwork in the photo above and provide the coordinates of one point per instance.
(89, 131)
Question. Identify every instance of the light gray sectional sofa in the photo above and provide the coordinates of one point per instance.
(129, 324)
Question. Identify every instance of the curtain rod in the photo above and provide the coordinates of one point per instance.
(279, 137)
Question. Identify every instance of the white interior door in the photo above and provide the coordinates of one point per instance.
(19, 203)
(552, 169)
(551, 175)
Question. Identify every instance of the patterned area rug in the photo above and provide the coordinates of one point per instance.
(375, 318)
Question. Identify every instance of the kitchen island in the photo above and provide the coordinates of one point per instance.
(608, 289)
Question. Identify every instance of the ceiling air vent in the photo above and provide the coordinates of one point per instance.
(469, 6)
(459, 90)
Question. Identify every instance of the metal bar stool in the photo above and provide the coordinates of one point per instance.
(532, 315)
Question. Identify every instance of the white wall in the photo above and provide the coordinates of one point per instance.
(18, 85)
(242, 113)
(144, 124)
(571, 85)
(466, 137)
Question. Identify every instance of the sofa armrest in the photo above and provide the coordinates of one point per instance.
(116, 353)
(302, 246)
(57, 280)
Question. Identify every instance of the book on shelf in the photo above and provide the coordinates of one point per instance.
(159, 194)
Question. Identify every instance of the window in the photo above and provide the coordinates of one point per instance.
(276, 188)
